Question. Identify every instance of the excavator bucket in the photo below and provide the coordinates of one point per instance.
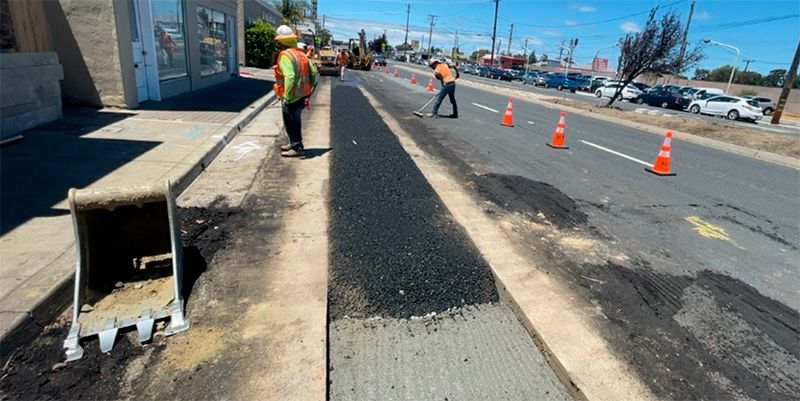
(129, 264)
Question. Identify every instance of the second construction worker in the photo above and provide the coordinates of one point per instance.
(444, 74)
(341, 61)
(295, 80)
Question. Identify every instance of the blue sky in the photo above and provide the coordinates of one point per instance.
(766, 32)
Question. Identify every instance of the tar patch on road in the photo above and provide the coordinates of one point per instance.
(522, 195)
(707, 337)
(395, 250)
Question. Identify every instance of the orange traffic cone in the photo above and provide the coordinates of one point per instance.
(430, 85)
(661, 165)
(413, 79)
(558, 135)
(508, 119)
(396, 75)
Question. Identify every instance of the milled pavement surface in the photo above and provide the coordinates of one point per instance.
(413, 307)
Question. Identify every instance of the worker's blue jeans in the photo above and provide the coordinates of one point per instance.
(447, 90)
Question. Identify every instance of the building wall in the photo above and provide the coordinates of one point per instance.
(31, 95)
(84, 34)
(249, 11)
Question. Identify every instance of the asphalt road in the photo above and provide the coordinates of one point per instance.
(681, 245)
(591, 98)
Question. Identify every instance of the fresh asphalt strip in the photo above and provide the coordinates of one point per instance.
(413, 306)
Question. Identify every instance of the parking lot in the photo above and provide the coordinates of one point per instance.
(786, 128)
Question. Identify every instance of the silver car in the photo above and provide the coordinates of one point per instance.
(766, 104)
(533, 78)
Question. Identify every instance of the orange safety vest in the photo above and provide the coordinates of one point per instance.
(302, 74)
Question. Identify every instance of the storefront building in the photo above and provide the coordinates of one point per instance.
(179, 46)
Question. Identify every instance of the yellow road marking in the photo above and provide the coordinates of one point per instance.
(709, 230)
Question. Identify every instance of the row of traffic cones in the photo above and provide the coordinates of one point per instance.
(413, 81)
(661, 166)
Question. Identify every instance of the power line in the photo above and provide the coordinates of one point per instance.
(754, 21)
(600, 21)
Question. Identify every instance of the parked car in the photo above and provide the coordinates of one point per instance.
(669, 88)
(714, 91)
(584, 83)
(629, 92)
(642, 87)
(483, 71)
(732, 107)
(767, 105)
(503, 75)
(663, 98)
(597, 82)
(379, 59)
(560, 82)
(534, 78)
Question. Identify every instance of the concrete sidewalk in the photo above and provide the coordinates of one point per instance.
(174, 139)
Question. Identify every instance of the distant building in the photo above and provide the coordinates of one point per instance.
(505, 62)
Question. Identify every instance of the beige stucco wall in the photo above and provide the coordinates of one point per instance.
(85, 38)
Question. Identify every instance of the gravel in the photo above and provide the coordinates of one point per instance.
(395, 250)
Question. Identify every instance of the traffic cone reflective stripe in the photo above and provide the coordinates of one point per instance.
(396, 75)
(661, 165)
(558, 135)
(508, 119)
(413, 79)
(430, 85)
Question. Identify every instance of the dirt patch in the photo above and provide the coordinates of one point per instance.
(722, 131)
(31, 374)
(539, 201)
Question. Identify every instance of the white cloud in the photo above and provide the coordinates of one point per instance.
(629, 27)
(587, 9)
(550, 32)
(570, 22)
(702, 15)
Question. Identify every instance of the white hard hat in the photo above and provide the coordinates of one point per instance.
(301, 45)
(285, 34)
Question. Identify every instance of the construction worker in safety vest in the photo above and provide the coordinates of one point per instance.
(295, 80)
(342, 60)
(444, 74)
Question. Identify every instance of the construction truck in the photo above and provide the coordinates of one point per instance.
(360, 58)
(326, 62)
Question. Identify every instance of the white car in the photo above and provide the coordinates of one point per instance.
(734, 108)
(630, 92)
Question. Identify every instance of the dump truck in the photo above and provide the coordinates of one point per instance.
(326, 61)
(360, 57)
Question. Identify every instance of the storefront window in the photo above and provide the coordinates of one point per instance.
(213, 42)
(170, 40)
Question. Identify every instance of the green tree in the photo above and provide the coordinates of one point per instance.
(404, 47)
(775, 78)
(260, 45)
(748, 78)
(544, 58)
(293, 10)
(532, 58)
(324, 37)
(701, 74)
(379, 44)
(479, 53)
(721, 74)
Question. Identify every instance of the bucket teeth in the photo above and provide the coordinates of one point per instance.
(108, 336)
(145, 326)
(72, 344)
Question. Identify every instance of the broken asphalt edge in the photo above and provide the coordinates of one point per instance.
(28, 324)
(769, 157)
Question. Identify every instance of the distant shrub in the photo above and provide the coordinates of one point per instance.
(748, 92)
(260, 45)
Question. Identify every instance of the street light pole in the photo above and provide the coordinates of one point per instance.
(569, 50)
(735, 59)
(601, 49)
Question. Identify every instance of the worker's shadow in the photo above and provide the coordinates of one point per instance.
(311, 153)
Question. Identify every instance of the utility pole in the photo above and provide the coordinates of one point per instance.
(787, 86)
(430, 34)
(455, 46)
(526, 56)
(494, 31)
(679, 65)
(747, 62)
(323, 21)
(510, 35)
(408, 14)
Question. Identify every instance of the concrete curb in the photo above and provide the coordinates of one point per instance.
(26, 325)
(684, 136)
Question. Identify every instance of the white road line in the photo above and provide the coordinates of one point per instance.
(485, 108)
(614, 152)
